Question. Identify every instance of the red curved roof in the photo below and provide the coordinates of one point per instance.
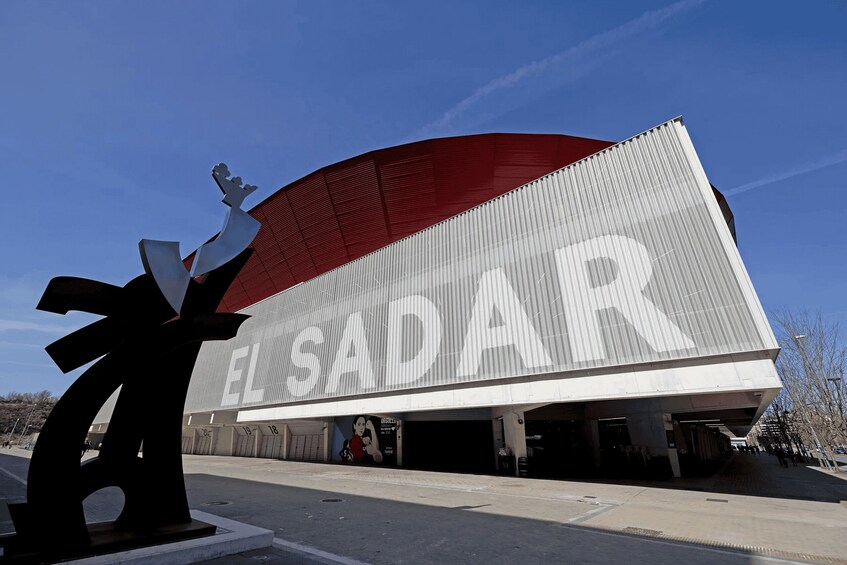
(346, 210)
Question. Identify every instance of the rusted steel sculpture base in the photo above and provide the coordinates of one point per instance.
(150, 352)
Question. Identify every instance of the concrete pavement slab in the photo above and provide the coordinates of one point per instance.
(793, 512)
(752, 511)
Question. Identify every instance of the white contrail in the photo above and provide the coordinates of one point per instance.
(644, 22)
(796, 171)
(17, 345)
(17, 325)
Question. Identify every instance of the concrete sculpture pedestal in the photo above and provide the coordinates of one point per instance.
(230, 537)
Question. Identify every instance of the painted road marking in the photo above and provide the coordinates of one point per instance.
(14, 476)
(283, 544)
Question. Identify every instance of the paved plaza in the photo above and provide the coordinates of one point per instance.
(752, 511)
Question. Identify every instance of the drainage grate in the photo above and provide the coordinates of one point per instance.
(217, 503)
(642, 531)
(331, 500)
(716, 500)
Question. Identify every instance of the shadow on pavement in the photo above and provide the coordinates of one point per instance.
(757, 475)
(374, 530)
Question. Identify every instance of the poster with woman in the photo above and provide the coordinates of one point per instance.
(364, 439)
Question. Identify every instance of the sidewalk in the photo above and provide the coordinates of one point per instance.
(752, 504)
(751, 511)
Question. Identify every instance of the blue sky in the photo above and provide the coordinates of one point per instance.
(113, 114)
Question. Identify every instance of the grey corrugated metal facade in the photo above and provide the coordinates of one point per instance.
(620, 259)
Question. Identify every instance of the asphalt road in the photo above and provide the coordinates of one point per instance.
(448, 525)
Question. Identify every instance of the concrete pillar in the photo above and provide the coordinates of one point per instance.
(286, 441)
(593, 435)
(399, 443)
(497, 429)
(650, 430)
(515, 433)
(681, 440)
(257, 440)
(327, 433)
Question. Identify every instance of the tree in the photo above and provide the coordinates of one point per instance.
(24, 413)
(811, 364)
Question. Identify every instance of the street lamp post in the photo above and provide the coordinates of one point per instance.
(9, 438)
(27, 426)
(839, 385)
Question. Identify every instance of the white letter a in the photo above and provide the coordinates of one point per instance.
(516, 330)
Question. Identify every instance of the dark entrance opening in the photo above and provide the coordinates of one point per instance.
(618, 458)
(558, 448)
(461, 446)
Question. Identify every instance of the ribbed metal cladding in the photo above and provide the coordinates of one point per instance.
(622, 258)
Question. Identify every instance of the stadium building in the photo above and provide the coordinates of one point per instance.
(577, 304)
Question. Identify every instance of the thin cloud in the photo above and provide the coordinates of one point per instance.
(17, 325)
(17, 345)
(609, 38)
(795, 172)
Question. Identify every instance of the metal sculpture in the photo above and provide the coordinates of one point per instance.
(162, 259)
(147, 344)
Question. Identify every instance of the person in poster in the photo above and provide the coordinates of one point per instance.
(363, 445)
